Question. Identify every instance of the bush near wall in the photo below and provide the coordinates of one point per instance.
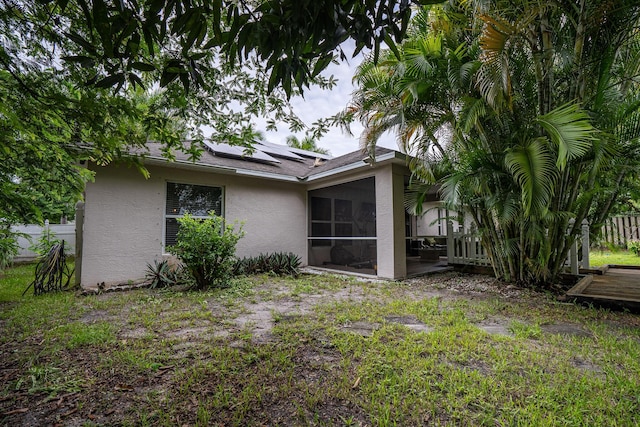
(207, 248)
(278, 263)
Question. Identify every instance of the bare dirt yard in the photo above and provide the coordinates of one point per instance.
(448, 349)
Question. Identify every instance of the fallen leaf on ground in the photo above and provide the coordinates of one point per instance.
(73, 411)
(16, 411)
(356, 384)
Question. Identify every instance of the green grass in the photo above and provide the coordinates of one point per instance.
(151, 357)
(599, 258)
(14, 281)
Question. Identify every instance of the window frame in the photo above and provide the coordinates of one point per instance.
(166, 216)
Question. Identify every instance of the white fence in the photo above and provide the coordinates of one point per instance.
(66, 232)
(465, 248)
(619, 229)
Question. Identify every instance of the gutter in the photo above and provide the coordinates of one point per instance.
(267, 175)
(161, 161)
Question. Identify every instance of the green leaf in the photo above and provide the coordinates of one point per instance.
(570, 129)
(167, 77)
(78, 39)
(103, 26)
(109, 81)
(391, 45)
(148, 38)
(142, 66)
(84, 61)
(136, 80)
(321, 64)
(531, 164)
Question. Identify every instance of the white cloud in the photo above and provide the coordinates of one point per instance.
(318, 103)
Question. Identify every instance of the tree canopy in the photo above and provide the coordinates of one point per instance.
(119, 41)
(526, 114)
(108, 75)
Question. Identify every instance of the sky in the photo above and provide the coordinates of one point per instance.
(317, 104)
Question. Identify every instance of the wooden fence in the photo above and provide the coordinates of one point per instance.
(620, 229)
(464, 247)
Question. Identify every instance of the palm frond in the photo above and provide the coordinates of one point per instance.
(570, 129)
(533, 168)
(415, 196)
(494, 77)
(472, 111)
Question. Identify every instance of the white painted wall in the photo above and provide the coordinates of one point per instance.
(124, 218)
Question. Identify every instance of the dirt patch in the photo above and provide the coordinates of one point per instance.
(586, 365)
(364, 329)
(409, 322)
(95, 316)
(496, 327)
(259, 317)
(566, 329)
(133, 333)
(456, 283)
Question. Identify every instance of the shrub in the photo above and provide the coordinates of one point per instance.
(207, 248)
(634, 246)
(8, 247)
(278, 263)
(162, 274)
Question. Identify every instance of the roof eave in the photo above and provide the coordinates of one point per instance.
(186, 164)
(390, 157)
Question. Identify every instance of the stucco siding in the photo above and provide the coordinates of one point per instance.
(124, 218)
(390, 222)
(273, 213)
(123, 213)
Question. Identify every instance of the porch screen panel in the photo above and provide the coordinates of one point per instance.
(197, 200)
(342, 226)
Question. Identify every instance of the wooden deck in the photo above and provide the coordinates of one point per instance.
(617, 286)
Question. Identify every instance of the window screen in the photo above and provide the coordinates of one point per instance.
(197, 200)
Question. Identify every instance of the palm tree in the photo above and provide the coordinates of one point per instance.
(307, 143)
(526, 124)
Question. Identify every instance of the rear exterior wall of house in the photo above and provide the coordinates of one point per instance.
(125, 218)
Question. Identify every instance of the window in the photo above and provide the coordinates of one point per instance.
(197, 200)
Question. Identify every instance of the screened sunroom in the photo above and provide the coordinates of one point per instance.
(342, 227)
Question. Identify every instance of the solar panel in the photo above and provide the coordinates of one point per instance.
(219, 148)
(309, 154)
(222, 149)
(278, 150)
(259, 155)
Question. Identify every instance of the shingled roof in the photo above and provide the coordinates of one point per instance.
(285, 167)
